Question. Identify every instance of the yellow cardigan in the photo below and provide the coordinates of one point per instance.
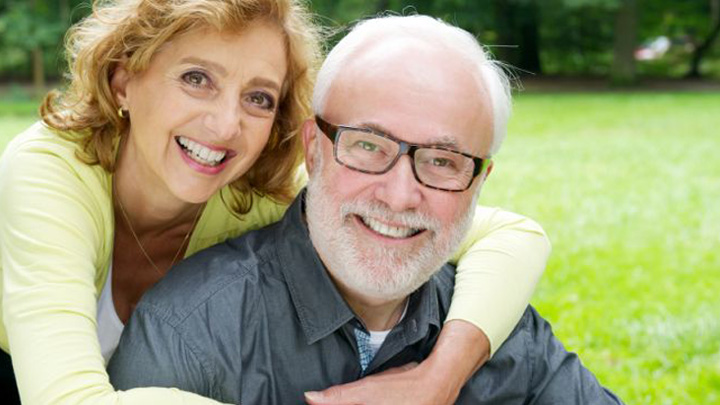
(56, 242)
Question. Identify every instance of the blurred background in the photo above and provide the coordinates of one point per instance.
(613, 148)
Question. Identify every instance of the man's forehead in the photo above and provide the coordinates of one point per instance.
(408, 87)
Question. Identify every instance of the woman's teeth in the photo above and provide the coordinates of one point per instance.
(201, 154)
(396, 232)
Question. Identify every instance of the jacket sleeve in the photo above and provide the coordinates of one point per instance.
(50, 235)
(498, 267)
(154, 353)
(558, 376)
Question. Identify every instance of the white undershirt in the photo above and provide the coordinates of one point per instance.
(377, 337)
(109, 325)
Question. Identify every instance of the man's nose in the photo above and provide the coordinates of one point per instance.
(224, 120)
(399, 189)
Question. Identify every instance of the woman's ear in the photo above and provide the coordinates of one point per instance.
(119, 82)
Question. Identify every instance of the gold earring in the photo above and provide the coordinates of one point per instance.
(122, 113)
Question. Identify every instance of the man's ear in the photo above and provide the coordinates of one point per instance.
(119, 82)
(310, 143)
(488, 170)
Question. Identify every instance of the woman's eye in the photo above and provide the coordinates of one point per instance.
(196, 79)
(262, 100)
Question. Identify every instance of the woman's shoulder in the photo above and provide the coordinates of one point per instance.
(40, 166)
(39, 138)
(39, 150)
(220, 222)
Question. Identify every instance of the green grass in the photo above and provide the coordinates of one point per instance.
(628, 188)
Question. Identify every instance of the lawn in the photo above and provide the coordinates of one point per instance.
(628, 188)
(624, 184)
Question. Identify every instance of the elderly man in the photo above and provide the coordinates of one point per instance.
(352, 281)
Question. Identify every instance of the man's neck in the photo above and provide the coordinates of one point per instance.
(377, 315)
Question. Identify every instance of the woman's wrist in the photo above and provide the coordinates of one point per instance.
(461, 349)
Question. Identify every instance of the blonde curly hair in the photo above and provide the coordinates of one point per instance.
(86, 111)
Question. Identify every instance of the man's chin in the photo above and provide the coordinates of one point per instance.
(382, 281)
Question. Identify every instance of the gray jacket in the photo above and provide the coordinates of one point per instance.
(257, 320)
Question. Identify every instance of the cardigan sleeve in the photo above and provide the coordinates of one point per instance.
(498, 267)
(51, 234)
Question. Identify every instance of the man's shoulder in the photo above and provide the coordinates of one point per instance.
(223, 275)
(443, 281)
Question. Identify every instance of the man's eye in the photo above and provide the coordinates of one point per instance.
(440, 162)
(367, 146)
(196, 79)
(262, 100)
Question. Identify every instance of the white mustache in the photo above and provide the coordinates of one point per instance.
(379, 211)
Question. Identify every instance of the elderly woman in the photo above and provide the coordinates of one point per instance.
(178, 131)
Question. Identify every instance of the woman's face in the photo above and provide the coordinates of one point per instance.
(203, 110)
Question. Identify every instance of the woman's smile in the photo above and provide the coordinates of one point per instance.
(205, 155)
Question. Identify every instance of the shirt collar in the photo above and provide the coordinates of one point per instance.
(320, 307)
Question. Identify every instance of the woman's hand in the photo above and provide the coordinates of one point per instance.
(460, 350)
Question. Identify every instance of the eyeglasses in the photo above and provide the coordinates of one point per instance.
(373, 152)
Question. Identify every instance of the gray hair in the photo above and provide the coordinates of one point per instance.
(433, 30)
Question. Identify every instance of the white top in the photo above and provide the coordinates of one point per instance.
(377, 337)
(109, 325)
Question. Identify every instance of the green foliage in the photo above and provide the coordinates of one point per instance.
(574, 37)
(26, 25)
(25, 28)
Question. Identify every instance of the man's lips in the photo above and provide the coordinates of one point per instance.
(392, 231)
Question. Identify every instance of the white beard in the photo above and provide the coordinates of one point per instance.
(374, 270)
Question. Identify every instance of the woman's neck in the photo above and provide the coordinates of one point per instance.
(148, 204)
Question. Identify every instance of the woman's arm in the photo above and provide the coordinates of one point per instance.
(498, 267)
(51, 237)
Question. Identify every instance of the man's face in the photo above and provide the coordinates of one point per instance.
(382, 236)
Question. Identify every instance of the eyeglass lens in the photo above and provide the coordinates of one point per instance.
(372, 153)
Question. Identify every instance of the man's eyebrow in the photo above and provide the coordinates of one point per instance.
(206, 64)
(445, 141)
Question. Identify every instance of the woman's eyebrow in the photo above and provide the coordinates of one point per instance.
(256, 81)
(265, 82)
(206, 64)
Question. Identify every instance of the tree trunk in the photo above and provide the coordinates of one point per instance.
(507, 50)
(530, 37)
(38, 71)
(518, 33)
(623, 66)
(65, 12)
(38, 65)
(699, 52)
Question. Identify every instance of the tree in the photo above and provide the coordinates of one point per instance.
(626, 26)
(517, 23)
(31, 28)
(702, 49)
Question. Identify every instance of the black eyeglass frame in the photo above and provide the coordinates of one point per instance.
(332, 131)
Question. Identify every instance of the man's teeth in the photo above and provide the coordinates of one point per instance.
(389, 231)
(200, 153)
